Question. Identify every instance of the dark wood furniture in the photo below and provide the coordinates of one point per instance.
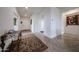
(3, 38)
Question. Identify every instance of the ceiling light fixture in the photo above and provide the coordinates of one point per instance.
(26, 7)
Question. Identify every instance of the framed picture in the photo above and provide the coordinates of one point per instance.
(72, 20)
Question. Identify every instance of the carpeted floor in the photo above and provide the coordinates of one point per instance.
(27, 44)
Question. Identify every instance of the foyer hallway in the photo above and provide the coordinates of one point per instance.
(64, 43)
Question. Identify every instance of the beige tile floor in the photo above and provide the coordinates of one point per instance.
(64, 43)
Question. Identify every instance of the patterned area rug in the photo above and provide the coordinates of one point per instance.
(27, 44)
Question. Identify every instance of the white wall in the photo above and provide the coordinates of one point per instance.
(6, 19)
(35, 22)
(70, 29)
(51, 19)
(55, 22)
(39, 19)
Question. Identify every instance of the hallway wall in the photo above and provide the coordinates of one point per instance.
(6, 19)
(55, 22)
(51, 19)
(70, 29)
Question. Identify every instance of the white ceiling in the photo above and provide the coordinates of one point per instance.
(22, 11)
(64, 9)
